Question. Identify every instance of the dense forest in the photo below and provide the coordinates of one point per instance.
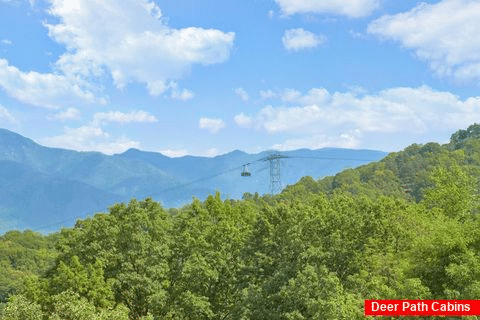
(405, 227)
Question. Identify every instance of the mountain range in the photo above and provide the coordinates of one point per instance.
(44, 188)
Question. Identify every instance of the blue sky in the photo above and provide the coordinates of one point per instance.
(208, 77)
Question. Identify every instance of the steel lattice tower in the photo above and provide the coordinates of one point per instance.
(275, 175)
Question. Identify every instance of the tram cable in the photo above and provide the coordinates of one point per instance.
(243, 168)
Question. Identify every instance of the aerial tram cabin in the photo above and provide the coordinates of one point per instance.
(245, 171)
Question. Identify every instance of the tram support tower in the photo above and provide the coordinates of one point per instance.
(275, 174)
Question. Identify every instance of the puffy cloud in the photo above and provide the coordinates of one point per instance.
(130, 40)
(298, 39)
(212, 152)
(393, 110)
(6, 42)
(345, 140)
(243, 120)
(69, 114)
(356, 35)
(90, 138)
(44, 90)
(212, 125)
(349, 8)
(314, 96)
(184, 152)
(445, 34)
(120, 117)
(174, 153)
(6, 116)
(268, 94)
(290, 95)
(184, 95)
(275, 120)
(242, 94)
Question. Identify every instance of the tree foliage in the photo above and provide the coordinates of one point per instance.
(406, 227)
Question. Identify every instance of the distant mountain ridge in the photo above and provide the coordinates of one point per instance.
(44, 188)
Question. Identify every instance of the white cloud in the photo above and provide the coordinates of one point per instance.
(183, 96)
(90, 138)
(356, 35)
(268, 94)
(356, 89)
(174, 153)
(212, 152)
(314, 96)
(184, 152)
(345, 140)
(242, 120)
(290, 95)
(294, 96)
(69, 114)
(394, 110)
(298, 39)
(121, 117)
(129, 40)
(445, 34)
(6, 116)
(275, 120)
(6, 42)
(349, 8)
(212, 125)
(242, 94)
(43, 90)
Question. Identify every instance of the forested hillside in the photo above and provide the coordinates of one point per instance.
(405, 227)
(45, 188)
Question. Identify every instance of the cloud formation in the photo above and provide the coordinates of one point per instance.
(174, 153)
(90, 138)
(318, 113)
(444, 34)
(243, 120)
(212, 152)
(69, 114)
(6, 116)
(121, 117)
(46, 90)
(267, 94)
(350, 140)
(349, 8)
(298, 39)
(240, 92)
(212, 125)
(183, 95)
(129, 40)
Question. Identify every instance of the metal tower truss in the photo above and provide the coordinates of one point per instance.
(275, 174)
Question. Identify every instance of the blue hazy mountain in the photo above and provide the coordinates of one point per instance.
(45, 188)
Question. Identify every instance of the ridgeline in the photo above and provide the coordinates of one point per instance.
(405, 227)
